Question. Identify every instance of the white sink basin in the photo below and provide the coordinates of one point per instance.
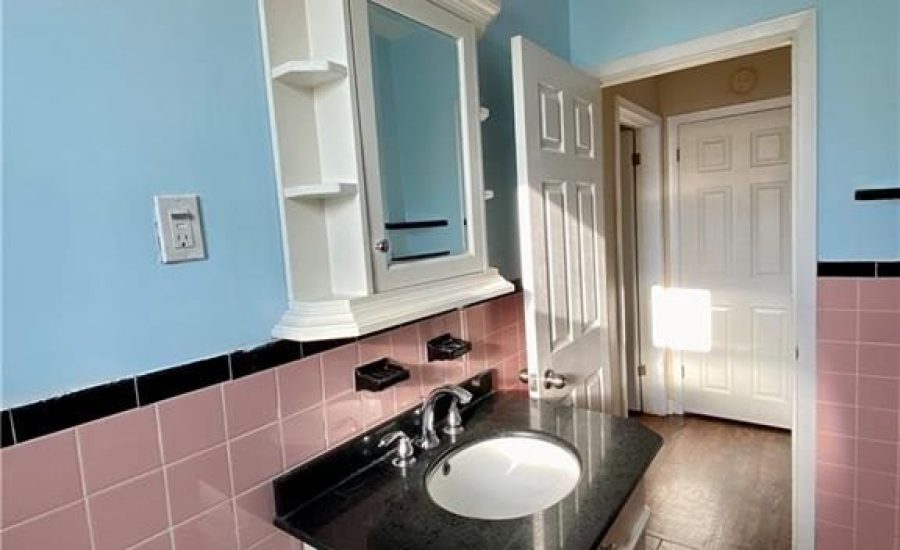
(504, 477)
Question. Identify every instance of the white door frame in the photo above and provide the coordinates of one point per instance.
(673, 192)
(798, 31)
(628, 113)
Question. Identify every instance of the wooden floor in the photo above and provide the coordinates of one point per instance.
(717, 485)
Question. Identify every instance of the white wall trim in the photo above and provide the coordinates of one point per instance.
(357, 316)
(632, 114)
(727, 111)
(757, 37)
(799, 31)
(649, 124)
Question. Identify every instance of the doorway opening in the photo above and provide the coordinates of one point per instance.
(704, 191)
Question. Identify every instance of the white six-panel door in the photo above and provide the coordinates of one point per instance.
(735, 240)
(561, 231)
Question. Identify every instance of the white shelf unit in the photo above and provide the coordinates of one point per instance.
(309, 73)
(318, 165)
(324, 190)
(307, 52)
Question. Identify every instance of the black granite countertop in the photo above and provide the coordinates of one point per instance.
(378, 506)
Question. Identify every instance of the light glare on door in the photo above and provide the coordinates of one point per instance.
(682, 318)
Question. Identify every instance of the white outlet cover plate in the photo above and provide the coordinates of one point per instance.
(179, 229)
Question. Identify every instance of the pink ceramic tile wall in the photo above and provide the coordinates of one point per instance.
(194, 472)
(858, 455)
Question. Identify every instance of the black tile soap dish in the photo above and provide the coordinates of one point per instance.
(447, 348)
(379, 375)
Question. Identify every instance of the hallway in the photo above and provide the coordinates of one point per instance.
(719, 485)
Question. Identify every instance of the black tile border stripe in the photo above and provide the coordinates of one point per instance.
(859, 269)
(889, 269)
(59, 413)
(266, 356)
(163, 384)
(32, 420)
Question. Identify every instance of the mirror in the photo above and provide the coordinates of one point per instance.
(416, 81)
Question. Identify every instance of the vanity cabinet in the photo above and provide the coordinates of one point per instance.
(377, 148)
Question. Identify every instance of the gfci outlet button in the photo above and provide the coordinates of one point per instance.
(179, 228)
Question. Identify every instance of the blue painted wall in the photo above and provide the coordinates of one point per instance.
(106, 104)
(858, 93)
(544, 22)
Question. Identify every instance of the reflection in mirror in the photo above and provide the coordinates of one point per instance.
(417, 102)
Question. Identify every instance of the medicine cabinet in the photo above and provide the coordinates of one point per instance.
(377, 149)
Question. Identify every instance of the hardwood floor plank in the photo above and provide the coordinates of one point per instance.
(719, 485)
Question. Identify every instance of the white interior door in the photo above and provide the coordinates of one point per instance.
(734, 180)
(561, 229)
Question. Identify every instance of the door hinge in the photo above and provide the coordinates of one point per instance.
(682, 371)
(678, 155)
(635, 159)
(796, 353)
(642, 370)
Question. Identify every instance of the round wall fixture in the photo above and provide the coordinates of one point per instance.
(743, 80)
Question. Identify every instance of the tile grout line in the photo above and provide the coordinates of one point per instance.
(12, 427)
(231, 499)
(84, 493)
(278, 419)
(159, 534)
(137, 394)
(163, 461)
(44, 514)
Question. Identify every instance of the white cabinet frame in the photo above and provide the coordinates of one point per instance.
(399, 275)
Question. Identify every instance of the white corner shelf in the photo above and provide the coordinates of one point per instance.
(308, 74)
(324, 190)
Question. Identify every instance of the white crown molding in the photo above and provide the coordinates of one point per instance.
(479, 12)
(753, 38)
(344, 318)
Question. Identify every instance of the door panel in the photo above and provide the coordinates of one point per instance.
(734, 199)
(561, 225)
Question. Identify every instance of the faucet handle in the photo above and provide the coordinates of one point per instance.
(405, 450)
(454, 424)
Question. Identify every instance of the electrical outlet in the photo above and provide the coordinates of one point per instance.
(179, 228)
(182, 232)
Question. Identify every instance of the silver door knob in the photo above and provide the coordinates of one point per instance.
(554, 380)
(383, 246)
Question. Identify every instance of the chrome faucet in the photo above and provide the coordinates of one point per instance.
(429, 439)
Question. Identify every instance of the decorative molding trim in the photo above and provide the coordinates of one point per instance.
(354, 317)
(757, 37)
(650, 148)
(478, 12)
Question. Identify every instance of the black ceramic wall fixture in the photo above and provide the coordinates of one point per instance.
(447, 348)
(379, 375)
(879, 194)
